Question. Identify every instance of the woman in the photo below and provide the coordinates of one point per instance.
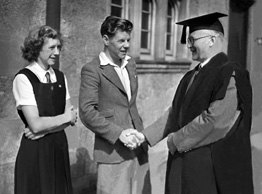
(43, 103)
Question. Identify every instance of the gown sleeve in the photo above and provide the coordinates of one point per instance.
(211, 125)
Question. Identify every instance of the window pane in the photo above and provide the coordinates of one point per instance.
(116, 11)
(145, 21)
(145, 6)
(169, 24)
(118, 2)
(144, 40)
(168, 42)
(169, 10)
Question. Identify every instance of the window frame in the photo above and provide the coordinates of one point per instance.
(124, 8)
(147, 53)
(156, 59)
(170, 54)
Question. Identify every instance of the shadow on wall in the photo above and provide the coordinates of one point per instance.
(84, 173)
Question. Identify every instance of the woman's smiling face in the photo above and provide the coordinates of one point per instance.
(49, 53)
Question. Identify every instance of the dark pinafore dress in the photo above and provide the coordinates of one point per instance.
(42, 166)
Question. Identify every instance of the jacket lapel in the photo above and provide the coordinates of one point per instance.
(186, 96)
(190, 93)
(132, 76)
(216, 60)
(110, 73)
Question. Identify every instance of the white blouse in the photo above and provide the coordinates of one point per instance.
(23, 90)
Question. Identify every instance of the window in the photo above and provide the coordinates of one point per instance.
(117, 8)
(155, 35)
(146, 26)
(169, 26)
(170, 29)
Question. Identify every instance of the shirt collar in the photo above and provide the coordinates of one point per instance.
(40, 72)
(205, 62)
(104, 60)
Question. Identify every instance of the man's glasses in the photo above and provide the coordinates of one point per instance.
(191, 41)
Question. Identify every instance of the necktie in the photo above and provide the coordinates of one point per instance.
(47, 75)
(197, 69)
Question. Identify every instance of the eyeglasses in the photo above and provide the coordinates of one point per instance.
(191, 41)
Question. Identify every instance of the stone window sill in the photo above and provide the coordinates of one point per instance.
(145, 66)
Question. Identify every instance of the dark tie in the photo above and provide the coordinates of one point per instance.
(197, 69)
(47, 75)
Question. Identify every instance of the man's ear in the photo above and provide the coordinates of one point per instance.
(212, 40)
(105, 40)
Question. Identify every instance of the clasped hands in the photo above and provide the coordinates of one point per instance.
(71, 113)
(131, 138)
(70, 116)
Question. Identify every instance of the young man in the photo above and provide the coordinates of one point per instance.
(208, 125)
(107, 106)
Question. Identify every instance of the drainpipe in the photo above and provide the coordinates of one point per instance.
(53, 16)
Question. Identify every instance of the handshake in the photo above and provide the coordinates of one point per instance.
(131, 138)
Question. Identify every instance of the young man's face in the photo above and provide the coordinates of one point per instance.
(50, 51)
(118, 45)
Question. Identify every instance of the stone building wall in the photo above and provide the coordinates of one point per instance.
(16, 18)
(80, 24)
(254, 66)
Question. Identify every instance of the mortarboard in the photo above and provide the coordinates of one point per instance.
(208, 22)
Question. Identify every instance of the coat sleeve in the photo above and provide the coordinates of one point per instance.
(166, 123)
(211, 125)
(88, 102)
(157, 131)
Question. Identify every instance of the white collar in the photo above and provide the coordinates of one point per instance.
(104, 60)
(40, 72)
(205, 62)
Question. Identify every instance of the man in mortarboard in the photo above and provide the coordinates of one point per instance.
(208, 125)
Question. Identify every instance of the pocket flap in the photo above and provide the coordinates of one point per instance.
(107, 113)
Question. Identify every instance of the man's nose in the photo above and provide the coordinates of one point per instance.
(57, 51)
(189, 45)
(127, 44)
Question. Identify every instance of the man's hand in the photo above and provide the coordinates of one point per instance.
(30, 135)
(170, 144)
(139, 136)
(128, 140)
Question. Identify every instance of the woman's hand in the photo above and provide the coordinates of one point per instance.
(71, 114)
(30, 135)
